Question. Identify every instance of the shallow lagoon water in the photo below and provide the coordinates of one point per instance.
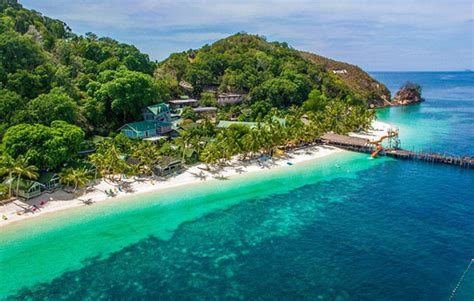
(368, 230)
(83, 233)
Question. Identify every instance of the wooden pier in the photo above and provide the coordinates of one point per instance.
(363, 145)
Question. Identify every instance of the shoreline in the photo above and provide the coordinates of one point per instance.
(61, 201)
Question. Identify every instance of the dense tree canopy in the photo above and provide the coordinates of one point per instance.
(123, 94)
(9, 104)
(38, 55)
(19, 52)
(43, 146)
(248, 64)
(56, 88)
(316, 101)
(56, 105)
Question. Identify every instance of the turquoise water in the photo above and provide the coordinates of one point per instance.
(444, 123)
(342, 228)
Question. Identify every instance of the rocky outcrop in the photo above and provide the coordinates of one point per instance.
(409, 93)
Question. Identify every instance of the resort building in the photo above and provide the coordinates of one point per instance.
(181, 103)
(158, 112)
(146, 129)
(185, 85)
(177, 105)
(27, 189)
(339, 71)
(227, 123)
(168, 166)
(228, 98)
(209, 111)
(210, 88)
(157, 123)
(49, 180)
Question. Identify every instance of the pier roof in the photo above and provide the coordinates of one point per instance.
(344, 139)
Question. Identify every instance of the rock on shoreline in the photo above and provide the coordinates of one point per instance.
(409, 93)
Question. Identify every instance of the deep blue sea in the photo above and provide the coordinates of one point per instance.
(341, 228)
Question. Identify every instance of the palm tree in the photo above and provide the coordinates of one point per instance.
(23, 168)
(184, 142)
(80, 177)
(147, 154)
(108, 160)
(7, 167)
(252, 141)
(211, 153)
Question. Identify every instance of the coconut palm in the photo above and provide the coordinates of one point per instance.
(297, 131)
(147, 154)
(231, 140)
(98, 160)
(108, 160)
(253, 140)
(8, 167)
(23, 168)
(211, 154)
(79, 177)
(184, 143)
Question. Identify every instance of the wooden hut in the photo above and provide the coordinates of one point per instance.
(27, 189)
(168, 166)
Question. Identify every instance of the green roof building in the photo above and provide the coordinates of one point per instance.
(50, 180)
(157, 122)
(157, 112)
(145, 129)
(27, 189)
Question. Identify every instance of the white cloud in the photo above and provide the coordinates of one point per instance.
(346, 29)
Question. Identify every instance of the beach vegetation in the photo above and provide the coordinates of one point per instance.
(147, 156)
(77, 177)
(7, 168)
(22, 168)
(63, 97)
(188, 114)
(46, 147)
(208, 99)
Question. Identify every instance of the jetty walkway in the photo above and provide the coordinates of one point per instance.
(365, 146)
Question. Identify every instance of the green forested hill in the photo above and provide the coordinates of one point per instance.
(49, 73)
(272, 72)
(59, 90)
(356, 79)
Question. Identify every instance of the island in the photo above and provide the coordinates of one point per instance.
(87, 118)
(409, 93)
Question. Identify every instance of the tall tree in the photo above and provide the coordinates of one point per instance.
(127, 94)
(56, 105)
(46, 147)
(79, 177)
(23, 168)
(7, 166)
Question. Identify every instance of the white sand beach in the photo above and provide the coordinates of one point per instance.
(60, 200)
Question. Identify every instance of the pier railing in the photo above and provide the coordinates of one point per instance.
(361, 145)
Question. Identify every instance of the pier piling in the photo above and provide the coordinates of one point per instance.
(363, 145)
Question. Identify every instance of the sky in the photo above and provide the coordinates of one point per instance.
(378, 35)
